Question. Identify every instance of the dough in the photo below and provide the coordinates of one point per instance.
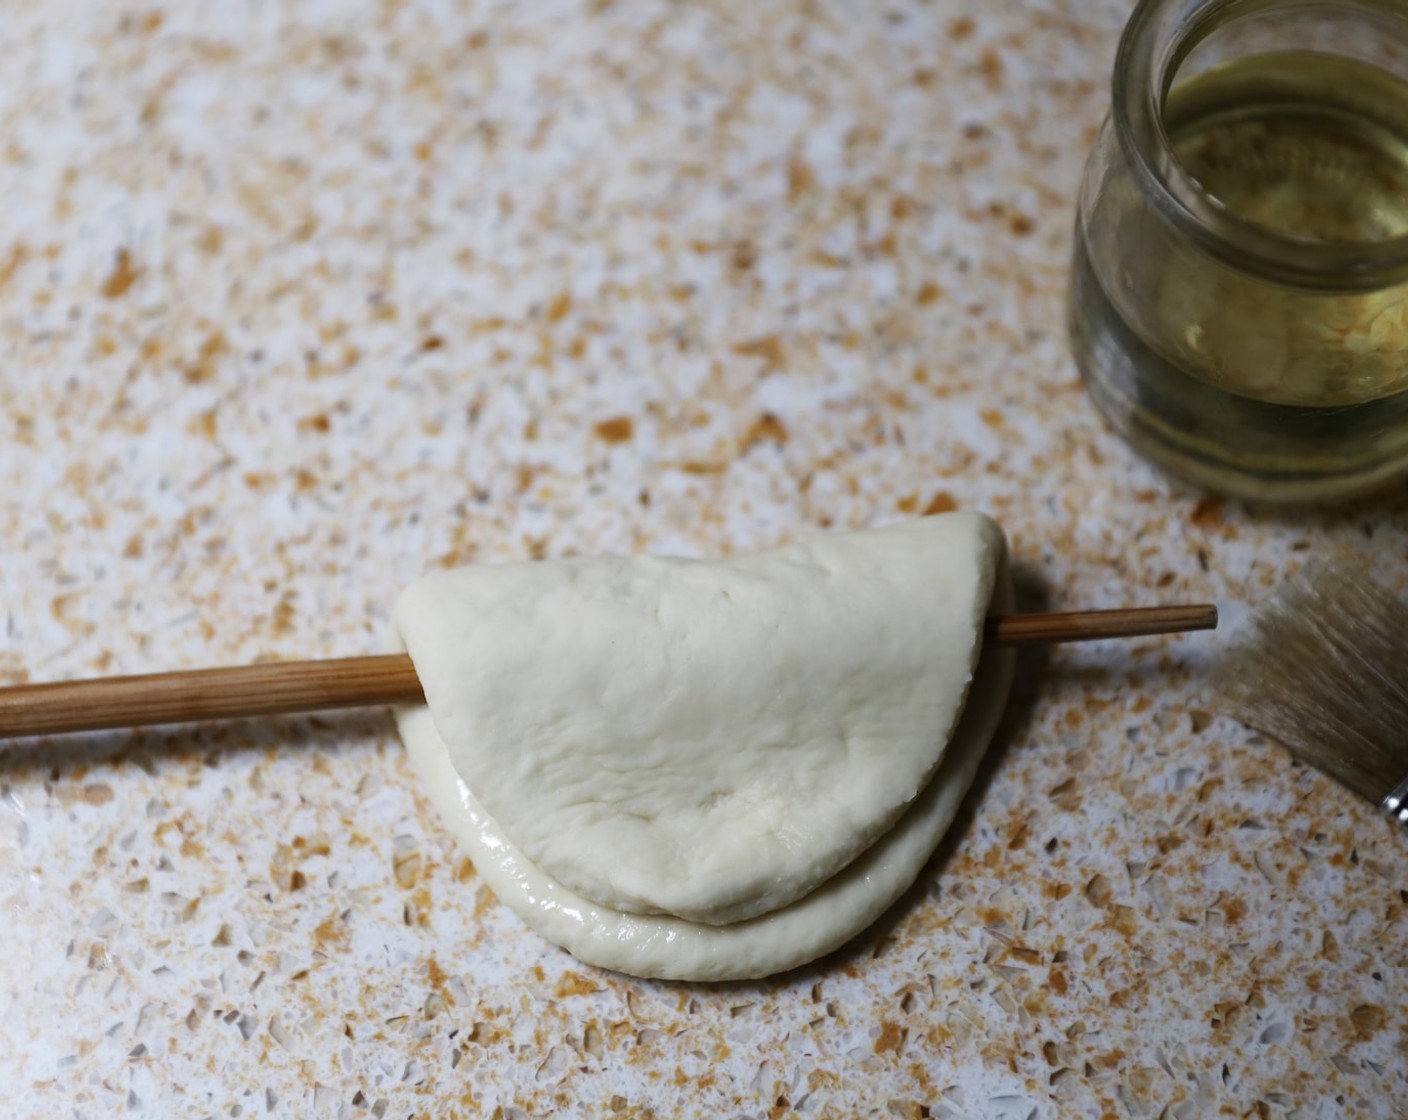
(708, 740)
(678, 949)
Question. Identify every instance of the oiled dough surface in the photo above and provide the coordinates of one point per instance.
(710, 740)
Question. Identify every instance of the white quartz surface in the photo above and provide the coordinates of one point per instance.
(300, 299)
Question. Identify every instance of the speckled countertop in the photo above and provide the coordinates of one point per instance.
(299, 299)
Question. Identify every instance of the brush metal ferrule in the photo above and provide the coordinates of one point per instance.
(1396, 803)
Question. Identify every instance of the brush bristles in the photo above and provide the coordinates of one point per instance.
(1325, 671)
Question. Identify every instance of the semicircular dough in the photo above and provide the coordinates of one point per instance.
(677, 949)
(705, 739)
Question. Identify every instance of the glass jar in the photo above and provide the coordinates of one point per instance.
(1239, 297)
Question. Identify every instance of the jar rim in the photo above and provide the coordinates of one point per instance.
(1157, 39)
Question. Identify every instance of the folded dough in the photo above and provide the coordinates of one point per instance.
(677, 949)
(711, 741)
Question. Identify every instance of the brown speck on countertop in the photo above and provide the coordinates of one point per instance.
(941, 502)
(123, 275)
(766, 429)
(618, 429)
(299, 302)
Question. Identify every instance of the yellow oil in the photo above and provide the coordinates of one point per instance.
(1240, 381)
(1307, 145)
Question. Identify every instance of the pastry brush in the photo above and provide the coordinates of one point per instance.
(284, 687)
(1325, 672)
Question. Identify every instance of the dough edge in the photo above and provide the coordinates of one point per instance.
(668, 948)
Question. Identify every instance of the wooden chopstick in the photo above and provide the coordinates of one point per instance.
(1089, 626)
(189, 695)
(284, 687)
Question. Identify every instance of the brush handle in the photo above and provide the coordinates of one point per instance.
(283, 687)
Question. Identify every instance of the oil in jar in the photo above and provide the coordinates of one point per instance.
(1250, 381)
